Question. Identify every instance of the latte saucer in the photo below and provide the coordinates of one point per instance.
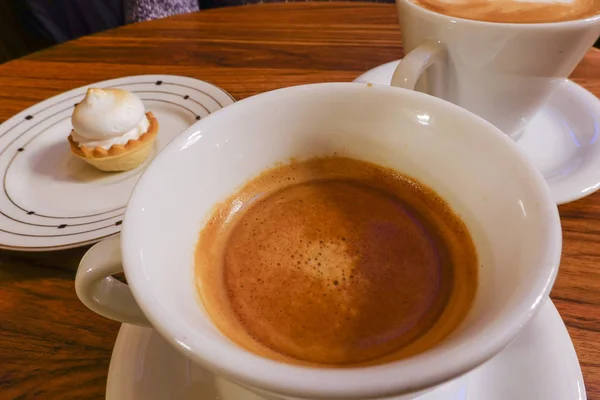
(540, 364)
(561, 140)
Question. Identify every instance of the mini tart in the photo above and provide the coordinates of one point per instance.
(119, 157)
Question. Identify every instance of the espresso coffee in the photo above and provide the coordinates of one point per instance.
(514, 11)
(335, 262)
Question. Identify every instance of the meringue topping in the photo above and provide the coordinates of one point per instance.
(108, 116)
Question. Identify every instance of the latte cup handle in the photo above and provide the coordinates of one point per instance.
(411, 67)
(99, 291)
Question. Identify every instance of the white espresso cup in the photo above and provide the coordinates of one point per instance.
(503, 72)
(478, 170)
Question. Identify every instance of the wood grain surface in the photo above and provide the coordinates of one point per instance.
(51, 346)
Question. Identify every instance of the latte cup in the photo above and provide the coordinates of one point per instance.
(503, 72)
(477, 169)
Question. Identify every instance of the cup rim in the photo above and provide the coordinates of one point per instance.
(507, 25)
(346, 383)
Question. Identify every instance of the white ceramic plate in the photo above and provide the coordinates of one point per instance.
(562, 140)
(540, 364)
(49, 199)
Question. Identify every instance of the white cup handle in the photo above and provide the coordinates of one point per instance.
(411, 67)
(99, 291)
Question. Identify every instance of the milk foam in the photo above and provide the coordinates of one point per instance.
(514, 11)
(545, 1)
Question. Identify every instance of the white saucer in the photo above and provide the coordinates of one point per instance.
(540, 364)
(49, 199)
(561, 140)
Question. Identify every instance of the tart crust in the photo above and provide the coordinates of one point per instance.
(119, 157)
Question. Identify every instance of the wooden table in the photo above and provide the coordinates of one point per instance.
(51, 346)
